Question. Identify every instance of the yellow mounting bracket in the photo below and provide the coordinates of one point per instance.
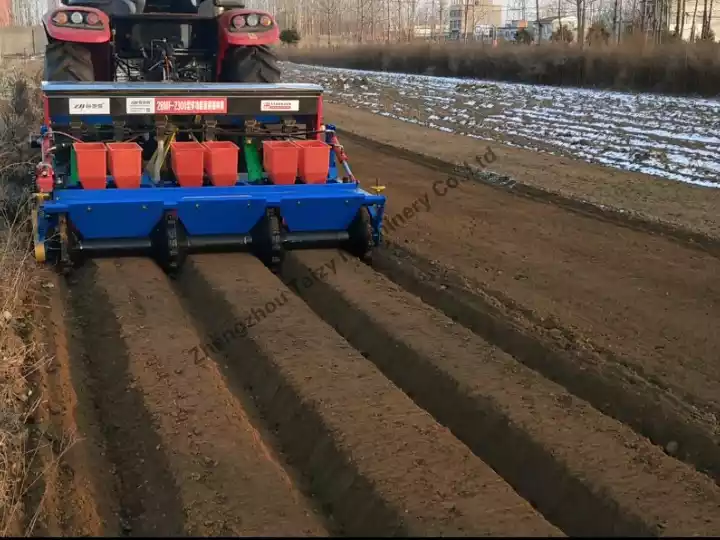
(377, 188)
(39, 247)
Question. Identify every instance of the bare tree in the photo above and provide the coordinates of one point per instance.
(580, 12)
(705, 29)
(412, 16)
(692, 29)
(26, 12)
(441, 15)
(329, 10)
(683, 18)
(465, 19)
(709, 30)
(361, 13)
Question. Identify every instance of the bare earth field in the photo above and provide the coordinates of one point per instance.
(509, 365)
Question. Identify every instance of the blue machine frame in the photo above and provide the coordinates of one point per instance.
(128, 215)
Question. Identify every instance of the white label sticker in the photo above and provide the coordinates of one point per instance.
(276, 105)
(140, 105)
(89, 105)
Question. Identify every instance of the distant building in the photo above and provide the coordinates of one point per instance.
(466, 16)
(428, 31)
(548, 25)
(6, 18)
(509, 31)
(422, 31)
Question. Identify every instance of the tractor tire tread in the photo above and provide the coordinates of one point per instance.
(68, 62)
(251, 65)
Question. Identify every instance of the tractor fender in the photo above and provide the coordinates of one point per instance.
(230, 38)
(98, 35)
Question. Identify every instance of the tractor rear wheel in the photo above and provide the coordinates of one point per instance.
(68, 62)
(251, 65)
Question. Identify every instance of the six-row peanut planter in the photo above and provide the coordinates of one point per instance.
(250, 167)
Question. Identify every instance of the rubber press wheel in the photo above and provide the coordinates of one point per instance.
(267, 240)
(169, 241)
(251, 65)
(361, 243)
(68, 62)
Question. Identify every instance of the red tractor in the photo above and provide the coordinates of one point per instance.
(160, 40)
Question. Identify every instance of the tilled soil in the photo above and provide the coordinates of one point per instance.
(506, 367)
(640, 296)
(634, 312)
(585, 471)
(651, 199)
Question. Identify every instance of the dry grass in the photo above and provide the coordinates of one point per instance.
(19, 356)
(673, 68)
(17, 402)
